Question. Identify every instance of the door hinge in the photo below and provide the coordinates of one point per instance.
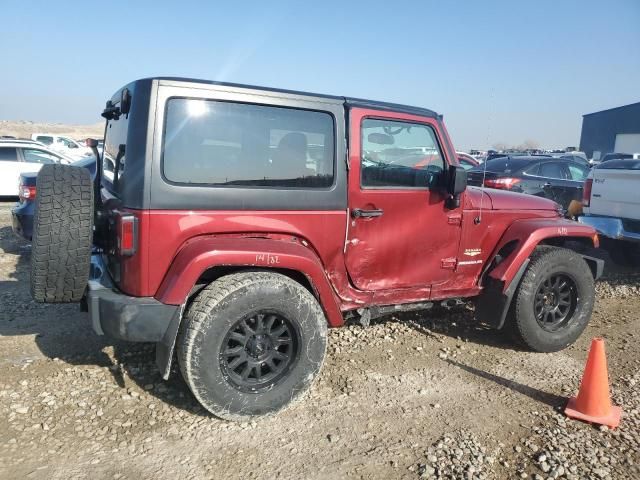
(448, 263)
(455, 219)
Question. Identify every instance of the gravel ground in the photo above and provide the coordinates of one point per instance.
(426, 395)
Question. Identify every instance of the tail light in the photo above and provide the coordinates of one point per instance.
(26, 192)
(586, 192)
(127, 234)
(503, 183)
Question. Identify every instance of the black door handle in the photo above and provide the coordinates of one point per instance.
(359, 213)
(546, 185)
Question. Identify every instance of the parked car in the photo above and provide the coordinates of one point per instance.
(23, 212)
(17, 157)
(557, 179)
(243, 233)
(611, 205)
(63, 144)
(466, 161)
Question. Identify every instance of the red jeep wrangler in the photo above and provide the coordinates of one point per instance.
(232, 224)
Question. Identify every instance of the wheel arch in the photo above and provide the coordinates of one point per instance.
(508, 263)
(205, 259)
(523, 236)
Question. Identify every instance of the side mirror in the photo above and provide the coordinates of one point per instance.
(457, 180)
(456, 184)
(91, 142)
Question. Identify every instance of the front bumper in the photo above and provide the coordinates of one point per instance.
(117, 315)
(610, 227)
(22, 219)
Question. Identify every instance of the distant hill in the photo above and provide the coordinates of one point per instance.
(24, 129)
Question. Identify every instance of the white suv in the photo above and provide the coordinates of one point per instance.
(64, 145)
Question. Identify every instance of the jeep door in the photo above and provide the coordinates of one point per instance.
(400, 234)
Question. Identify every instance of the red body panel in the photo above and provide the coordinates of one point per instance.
(172, 229)
(200, 253)
(405, 247)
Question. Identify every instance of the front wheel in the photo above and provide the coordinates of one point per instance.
(554, 301)
(252, 343)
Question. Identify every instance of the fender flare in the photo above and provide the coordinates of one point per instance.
(202, 253)
(502, 281)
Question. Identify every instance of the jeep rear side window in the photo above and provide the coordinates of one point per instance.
(114, 150)
(218, 143)
(399, 154)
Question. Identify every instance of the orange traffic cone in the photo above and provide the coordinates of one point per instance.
(593, 403)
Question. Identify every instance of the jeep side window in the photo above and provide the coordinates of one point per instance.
(219, 143)
(399, 154)
(115, 145)
(44, 139)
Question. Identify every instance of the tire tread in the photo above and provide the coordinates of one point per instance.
(62, 234)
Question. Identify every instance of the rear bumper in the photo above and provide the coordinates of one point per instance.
(22, 219)
(112, 313)
(610, 227)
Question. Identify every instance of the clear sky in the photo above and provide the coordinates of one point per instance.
(499, 71)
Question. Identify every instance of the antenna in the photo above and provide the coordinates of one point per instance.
(478, 219)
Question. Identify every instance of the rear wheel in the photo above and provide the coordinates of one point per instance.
(62, 234)
(554, 301)
(252, 342)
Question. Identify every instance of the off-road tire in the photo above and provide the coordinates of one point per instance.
(522, 324)
(62, 234)
(210, 318)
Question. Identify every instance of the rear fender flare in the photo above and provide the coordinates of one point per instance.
(202, 253)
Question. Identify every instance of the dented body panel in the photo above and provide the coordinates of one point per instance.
(202, 253)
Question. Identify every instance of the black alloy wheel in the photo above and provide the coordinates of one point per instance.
(555, 302)
(258, 351)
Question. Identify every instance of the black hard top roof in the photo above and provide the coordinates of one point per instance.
(348, 101)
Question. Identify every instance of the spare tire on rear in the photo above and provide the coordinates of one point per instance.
(62, 234)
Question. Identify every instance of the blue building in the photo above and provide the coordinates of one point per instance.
(613, 130)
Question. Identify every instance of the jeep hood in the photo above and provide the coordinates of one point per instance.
(503, 200)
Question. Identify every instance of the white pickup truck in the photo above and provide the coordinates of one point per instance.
(611, 204)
